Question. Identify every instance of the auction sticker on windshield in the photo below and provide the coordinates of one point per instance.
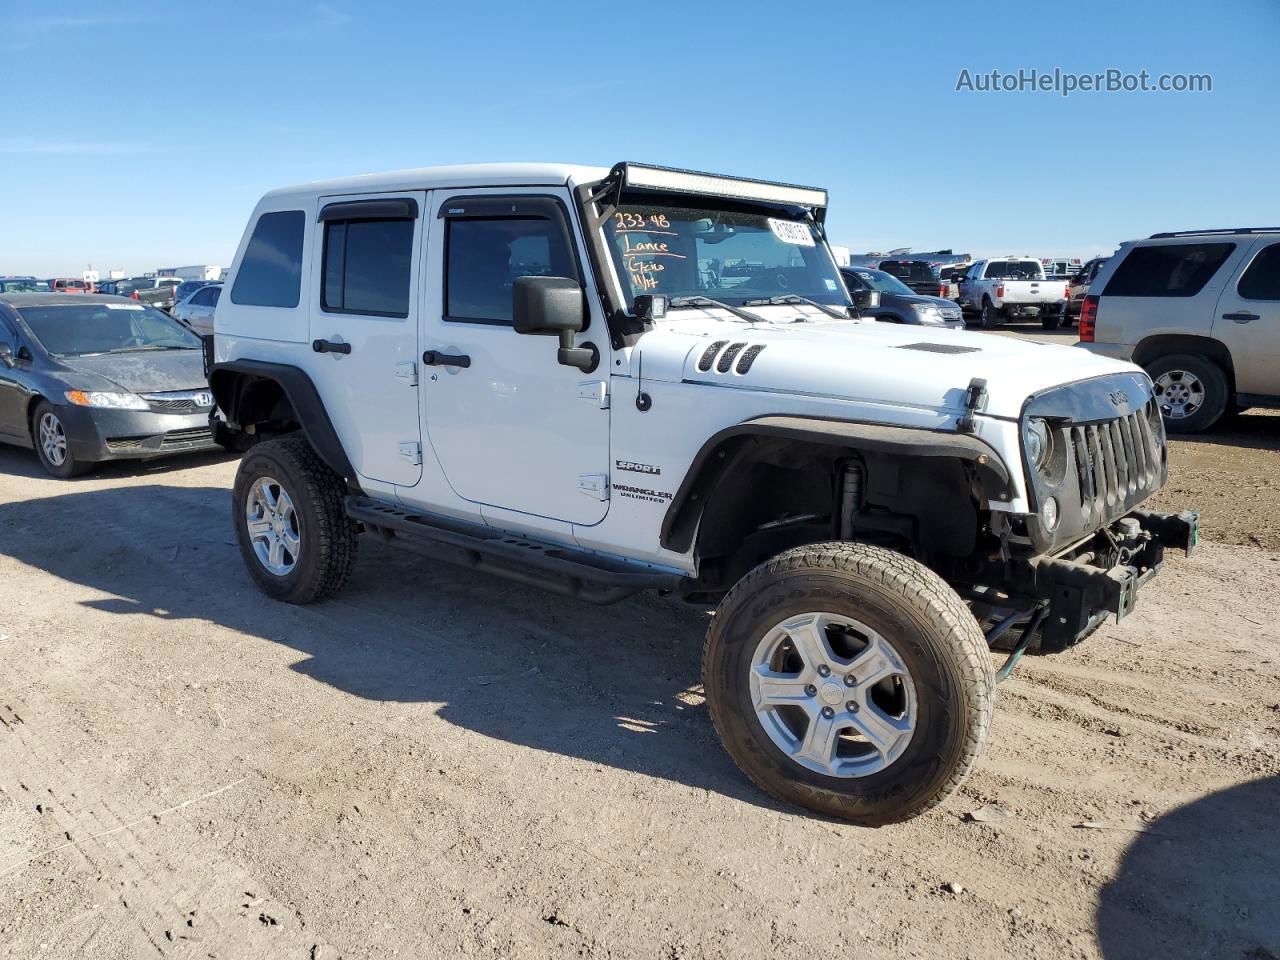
(788, 231)
(123, 306)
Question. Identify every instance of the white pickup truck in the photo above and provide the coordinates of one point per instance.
(1012, 287)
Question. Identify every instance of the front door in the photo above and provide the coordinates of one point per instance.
(510, 426)
(364, 324)
(1248, 319)
(13, 392)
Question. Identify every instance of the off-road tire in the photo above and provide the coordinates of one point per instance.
(71, 466)
(930, 627)
(1217, 392)
(988, 315)
(328, 535)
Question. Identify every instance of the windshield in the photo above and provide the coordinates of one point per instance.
(884, 282)
(106, 328)
(1015, 270)
(733, 255)
(23, 286)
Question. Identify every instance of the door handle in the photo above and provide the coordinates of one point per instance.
(434, 358)
(329, 346)
(1241, 317)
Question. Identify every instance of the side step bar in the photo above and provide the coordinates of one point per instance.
(563, 570)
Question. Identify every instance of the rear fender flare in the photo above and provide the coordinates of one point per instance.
(302, 396)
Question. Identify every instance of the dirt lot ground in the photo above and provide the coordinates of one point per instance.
(438, 764)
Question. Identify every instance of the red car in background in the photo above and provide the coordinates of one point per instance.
(70, 285)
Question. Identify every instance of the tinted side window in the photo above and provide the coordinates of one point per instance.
(1262, 280)
(204, 297)
(271, 273)
(367, 266)
(1169, 270)
(484, 258)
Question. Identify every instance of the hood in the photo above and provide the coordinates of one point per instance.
(903, 365)
(916, 299)
(147, 371)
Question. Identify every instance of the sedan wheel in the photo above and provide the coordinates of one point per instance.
(53, 439)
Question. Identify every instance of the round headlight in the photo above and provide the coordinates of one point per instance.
(1049, 514)
(1039, 440)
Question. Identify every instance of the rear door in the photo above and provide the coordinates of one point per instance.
(1248, 319)
(364, 314)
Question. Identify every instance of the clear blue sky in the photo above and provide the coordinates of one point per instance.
(138, 134)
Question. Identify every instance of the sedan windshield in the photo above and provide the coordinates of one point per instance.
(106, 328)
(884, 282)
(729, 255)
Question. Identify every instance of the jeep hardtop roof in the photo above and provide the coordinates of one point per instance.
(450, 177)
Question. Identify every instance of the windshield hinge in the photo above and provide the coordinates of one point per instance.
(975, 399)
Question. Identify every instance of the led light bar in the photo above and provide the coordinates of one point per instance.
(645, 177)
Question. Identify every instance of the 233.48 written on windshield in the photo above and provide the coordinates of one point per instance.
(642, 253)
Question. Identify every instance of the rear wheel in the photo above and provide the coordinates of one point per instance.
(1190, 390)
(1051, 319)
(294, 534)
(988, 316)
(850, 680)
(52, 448)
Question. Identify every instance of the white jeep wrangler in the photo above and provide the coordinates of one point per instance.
(605, 381)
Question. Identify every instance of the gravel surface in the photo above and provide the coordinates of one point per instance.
(439, 764)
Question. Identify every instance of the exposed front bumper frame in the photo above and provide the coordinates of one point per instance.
(1076, 590)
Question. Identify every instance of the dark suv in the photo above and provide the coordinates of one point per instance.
(916, 274)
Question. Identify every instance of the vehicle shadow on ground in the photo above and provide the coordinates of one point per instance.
(1202, 881)
(1255, 430)
(18, 462)
(616, 686)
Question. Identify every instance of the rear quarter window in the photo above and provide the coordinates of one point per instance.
(270, 274)
(1167, 270)
(1262, 280)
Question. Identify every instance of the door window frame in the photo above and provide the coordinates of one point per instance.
(335, 211)
(514, 206)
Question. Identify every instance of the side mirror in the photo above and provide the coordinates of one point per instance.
(866, 299)
(553, 306)
(6, 354)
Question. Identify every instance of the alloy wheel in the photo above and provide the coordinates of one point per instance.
(273, 526)
(53, 439)
(833, 695)
(1179, 394)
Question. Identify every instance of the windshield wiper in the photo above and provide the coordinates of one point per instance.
(829, 310)
(150, 346)
(708, 302)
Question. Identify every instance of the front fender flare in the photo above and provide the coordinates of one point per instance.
(726, 448)
(302, 396)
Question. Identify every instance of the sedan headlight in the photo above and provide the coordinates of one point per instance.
(112, 401)
(1039, 440)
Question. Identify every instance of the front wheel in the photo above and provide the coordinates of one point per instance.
(52, 448)
(294, 534)
(850, 680)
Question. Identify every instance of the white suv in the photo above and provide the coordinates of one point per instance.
(603, 381)
(1200, 310)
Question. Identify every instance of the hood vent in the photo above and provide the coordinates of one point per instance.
(939, 348)
(709, 355)
(742, 352)
(726, 358)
